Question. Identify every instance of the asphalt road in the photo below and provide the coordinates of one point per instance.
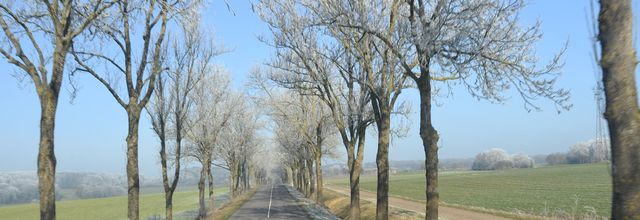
(271, 202)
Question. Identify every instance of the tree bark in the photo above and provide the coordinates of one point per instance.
(382, 162)
(622, 113)
(211, 196)
(168, 204)
(305, 179)
(48, 95)
(176, 175)
(318, 160)
(294, 178)
(311, 177)
(46, 156)
(168, 192)
(429, 141)
(133, 173)
(354, 175)
(236, 187)
(202, 212)
(318, 166)
(232, 179)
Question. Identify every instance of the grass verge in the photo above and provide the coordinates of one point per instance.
(338, 204)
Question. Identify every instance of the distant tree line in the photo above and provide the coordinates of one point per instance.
(22, 187)
(592, 151)
(498, 159)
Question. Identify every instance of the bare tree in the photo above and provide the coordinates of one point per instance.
(306, 117)
(474, 43)
(238, 144)
(214, 105)
(37, 38)
(140, 76)
(189, 61)
(480, 45)
(618, 62)
(383, 76)
(325, 70)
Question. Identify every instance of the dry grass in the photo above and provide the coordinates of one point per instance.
(338, 204)
(227, 210)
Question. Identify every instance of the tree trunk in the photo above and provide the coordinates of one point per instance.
(429, 141)
(318, 165)
(46, 156)
(133, 173)
(211, 196)
(318, 160)
(303, 176)
(236, 187)
(354, 175)
(290, 175)
(176, 175)
(247, 174)
(168, 204)
(297, 177)
(622, 113)
(382, 161)
(312, 181)
(48, 95)
(202, 213)
(294, 178)
(232, 179)
(168, 192)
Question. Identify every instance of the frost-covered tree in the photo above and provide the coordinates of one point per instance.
(498, 159)
(479, 45)
(522, 161)
(37, 37)
(239, 144)
(214, 104)
(188, 61)
(592, 151)
(139, 65)
(309, 63)
(490, 159)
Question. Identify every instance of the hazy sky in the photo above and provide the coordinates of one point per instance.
(90, 134)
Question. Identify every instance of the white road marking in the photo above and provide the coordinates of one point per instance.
(270, 198)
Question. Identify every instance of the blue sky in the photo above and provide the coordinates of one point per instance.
(90, 134)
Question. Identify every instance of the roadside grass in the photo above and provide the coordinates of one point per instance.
(226, 211)
(338, 204)
(556, 191)
(108, 208)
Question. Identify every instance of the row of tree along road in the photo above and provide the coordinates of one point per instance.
(194, 113)
(344, 65)
(354, 58)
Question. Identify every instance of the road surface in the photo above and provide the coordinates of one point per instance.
(271, 202)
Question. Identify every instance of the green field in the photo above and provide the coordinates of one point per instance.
(108, 208)
(553, 190)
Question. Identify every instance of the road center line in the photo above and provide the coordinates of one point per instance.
(270, 198)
